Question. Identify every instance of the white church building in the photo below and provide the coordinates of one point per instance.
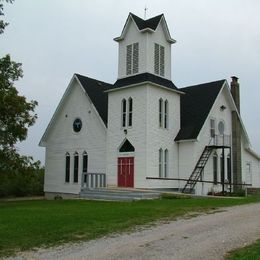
(143, 131)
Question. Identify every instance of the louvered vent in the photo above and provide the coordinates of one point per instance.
(161, 60)
(156, 58)
(135, 57)
(128, 59)
(132, 58)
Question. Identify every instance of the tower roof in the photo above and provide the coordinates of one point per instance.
(146, 25)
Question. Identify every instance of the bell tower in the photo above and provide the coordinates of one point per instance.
(144, 47)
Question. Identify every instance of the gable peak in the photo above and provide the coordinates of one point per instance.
(142, 25)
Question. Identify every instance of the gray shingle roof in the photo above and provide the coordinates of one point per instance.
(95, 90)
(144, 77)
(151, 23)
(196, 104)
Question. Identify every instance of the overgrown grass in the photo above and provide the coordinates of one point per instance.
(28, 224)
(246, 253)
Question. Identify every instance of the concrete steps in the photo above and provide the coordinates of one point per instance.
(118, 194)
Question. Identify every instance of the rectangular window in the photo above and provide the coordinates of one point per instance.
(215, 169)
(212, 128)
(76, 167)
(159, 59)
(248, 173)
(67, 169)
(160, 163)
(132, 58)
(160, 113)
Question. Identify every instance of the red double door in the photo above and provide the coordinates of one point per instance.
(125, 172)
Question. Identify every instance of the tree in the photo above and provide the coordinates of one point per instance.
(16, 113)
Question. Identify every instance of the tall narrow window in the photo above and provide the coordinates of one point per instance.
(85, 162)
(166, 158)
(212, 127)
(67, 168)
(215, 168)
(76, 167)
(160, 163)
(159, 59)
(165, 114)
(229, 169)
(248, 173)
(132, 58)
(222, 169)
(130, 111)
(123, 107)
(160, 112)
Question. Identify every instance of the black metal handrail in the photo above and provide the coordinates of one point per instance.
(220, 140)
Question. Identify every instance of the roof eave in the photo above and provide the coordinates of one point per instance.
(143, 83)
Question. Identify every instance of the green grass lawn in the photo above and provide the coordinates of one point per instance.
(251, 252)
(28, 224)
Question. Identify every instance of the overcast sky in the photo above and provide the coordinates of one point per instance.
(54, 39)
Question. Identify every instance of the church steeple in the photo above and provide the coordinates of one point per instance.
(144, 46)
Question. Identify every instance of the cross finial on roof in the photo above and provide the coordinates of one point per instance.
(145, 10)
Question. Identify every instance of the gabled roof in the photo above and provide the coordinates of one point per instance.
(95, 90)
(151, 23)
(143, 78)
(146, 25)
(195, 107)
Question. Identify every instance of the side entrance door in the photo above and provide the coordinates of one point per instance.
(125, 172)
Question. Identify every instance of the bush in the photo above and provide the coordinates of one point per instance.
(23, 182)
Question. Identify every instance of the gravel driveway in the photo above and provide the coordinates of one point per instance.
(207, 236)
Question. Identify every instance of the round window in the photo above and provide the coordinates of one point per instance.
(77, 125)
(221, 127)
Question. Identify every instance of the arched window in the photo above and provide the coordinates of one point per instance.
(76, 167)
(215, 168)
(161, 163)
(166, 158)
(160, 112)
(67, 168)
(85, 162)
(123, 113)
(130, 111)
(166, 114)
